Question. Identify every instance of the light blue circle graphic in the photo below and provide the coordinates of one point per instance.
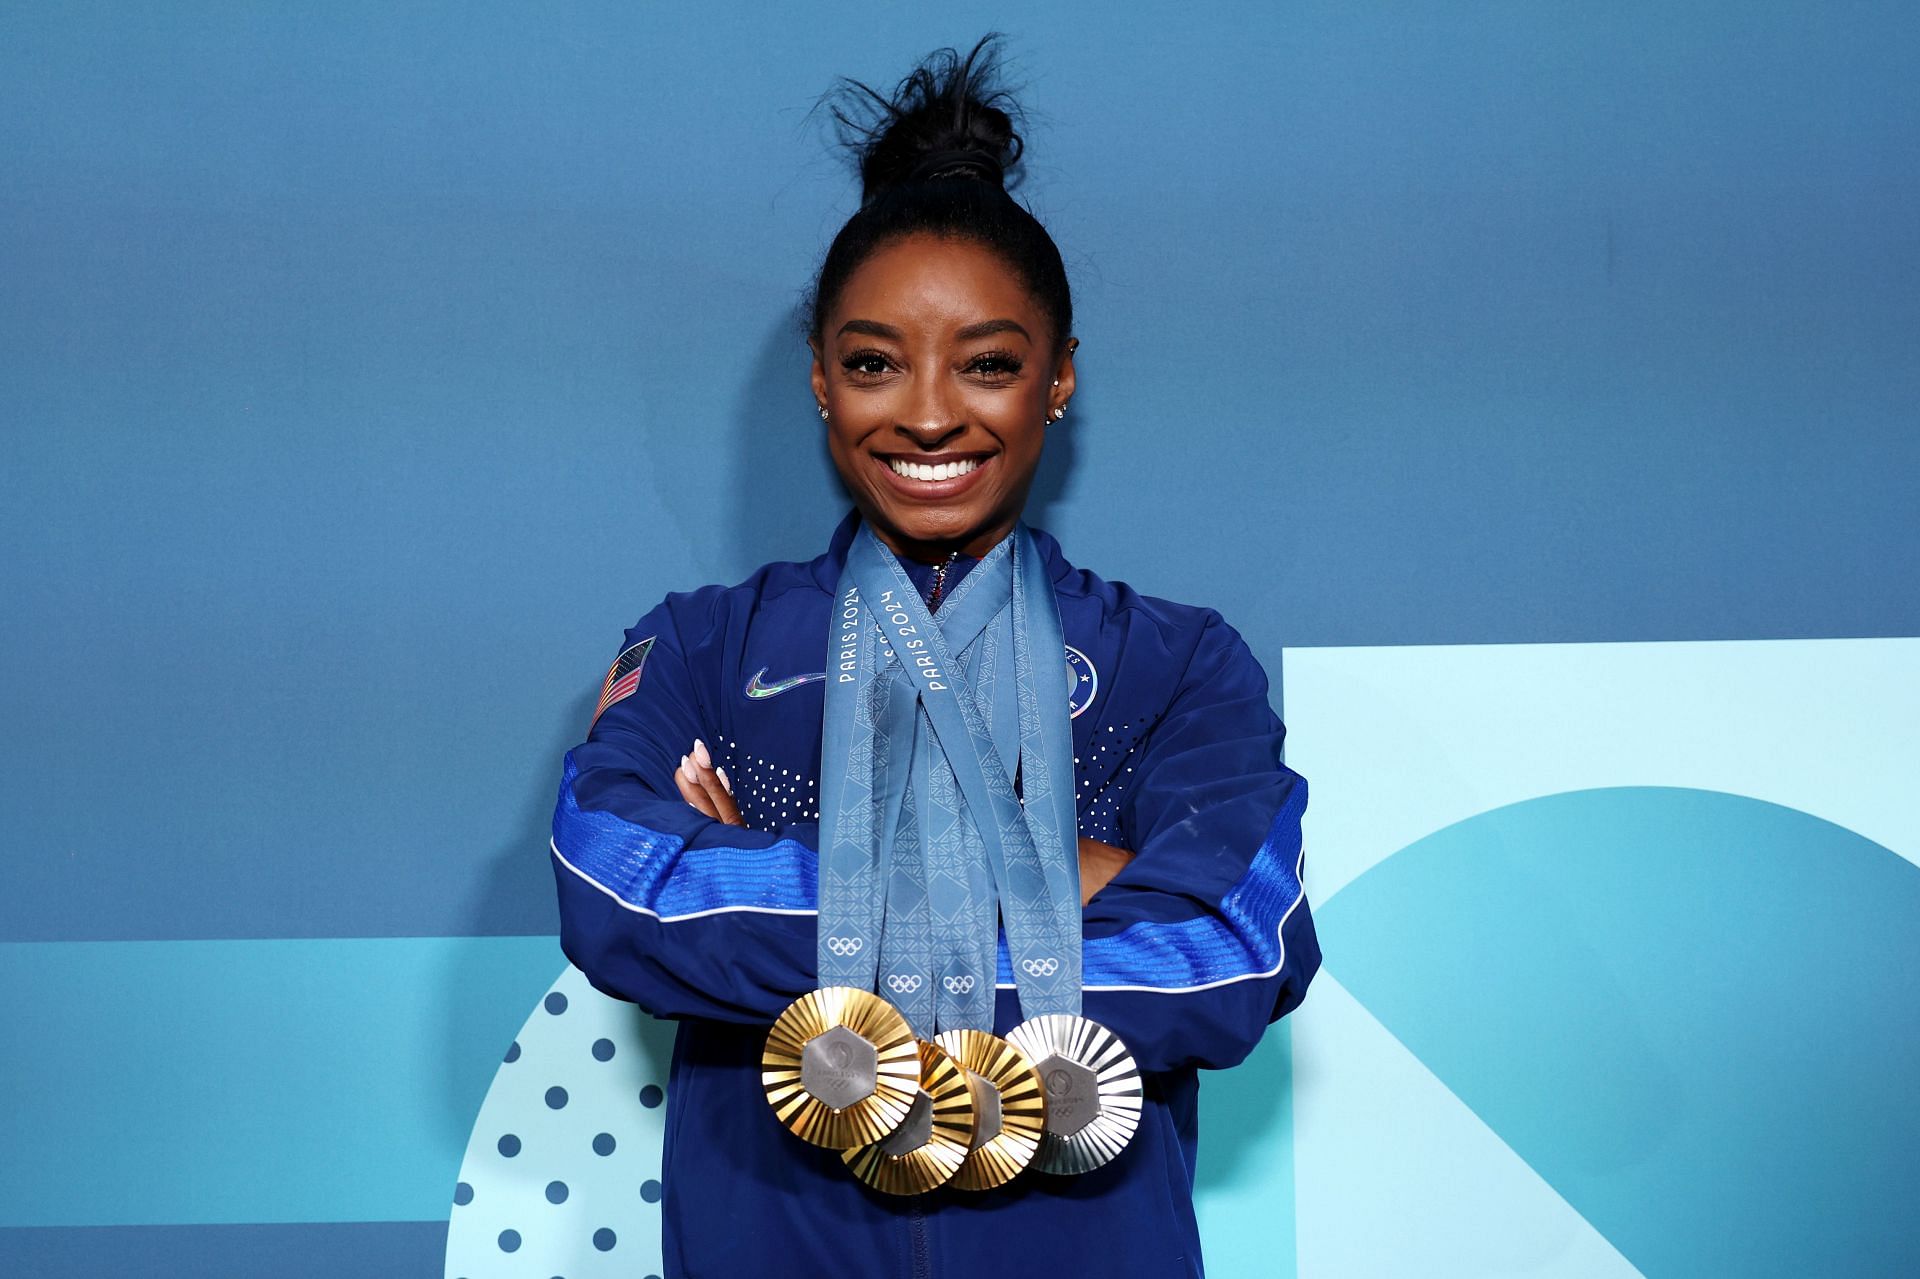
(560, 1143)
(1692, 1013)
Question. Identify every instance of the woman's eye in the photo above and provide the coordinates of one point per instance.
(995, 366)
(864, 363)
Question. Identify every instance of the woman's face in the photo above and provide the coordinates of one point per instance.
(938, 372)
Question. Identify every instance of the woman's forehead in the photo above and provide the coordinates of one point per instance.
(936, 282)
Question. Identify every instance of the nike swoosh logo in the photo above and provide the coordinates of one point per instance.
(756, 690)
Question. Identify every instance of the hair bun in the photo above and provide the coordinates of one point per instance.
(947, 119)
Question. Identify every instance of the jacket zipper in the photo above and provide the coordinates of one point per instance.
(922, 1253)
(940, 580)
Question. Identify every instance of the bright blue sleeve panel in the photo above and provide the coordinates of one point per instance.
(1205, 937)
(681, 914)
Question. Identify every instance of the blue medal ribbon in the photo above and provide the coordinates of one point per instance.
(925, 843)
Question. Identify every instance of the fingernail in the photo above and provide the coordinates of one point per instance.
(723, 780)
(700, 753)
(686, 769)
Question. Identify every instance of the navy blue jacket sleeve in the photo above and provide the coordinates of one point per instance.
(1205, 938)
(681, 914)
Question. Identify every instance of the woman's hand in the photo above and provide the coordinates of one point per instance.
(1099, 863)
(707, 787)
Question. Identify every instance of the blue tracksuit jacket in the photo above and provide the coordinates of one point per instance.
(1201, 941)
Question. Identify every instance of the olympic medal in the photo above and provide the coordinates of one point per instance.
(1093, 1090)
(1010, 1107)
(927, 1149)
(840, 1068)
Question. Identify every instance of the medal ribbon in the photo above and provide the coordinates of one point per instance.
(924, 841)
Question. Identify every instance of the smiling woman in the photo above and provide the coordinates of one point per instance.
(963, 858)
(937, 389)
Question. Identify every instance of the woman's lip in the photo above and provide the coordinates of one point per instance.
(932, 490)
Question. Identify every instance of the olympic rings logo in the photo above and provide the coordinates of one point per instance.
(901, 984)
(1040, 967)
(844, 946)
(957, 985)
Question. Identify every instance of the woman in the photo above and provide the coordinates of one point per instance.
(688, 836)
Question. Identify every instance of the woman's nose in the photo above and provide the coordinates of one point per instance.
(930, 435)
(933, 415)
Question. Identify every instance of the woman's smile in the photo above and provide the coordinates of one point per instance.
(933, 477)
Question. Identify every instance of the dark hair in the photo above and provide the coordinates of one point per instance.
(934, 159)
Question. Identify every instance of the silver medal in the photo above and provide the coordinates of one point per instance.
(1093, 1090)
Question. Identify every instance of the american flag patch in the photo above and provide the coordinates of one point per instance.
(624, 676)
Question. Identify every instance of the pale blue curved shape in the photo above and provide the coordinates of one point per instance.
(1696, 1015)
(561, 1174)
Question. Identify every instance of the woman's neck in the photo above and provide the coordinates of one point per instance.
(938, 550)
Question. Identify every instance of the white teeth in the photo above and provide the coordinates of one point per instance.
(922, 471)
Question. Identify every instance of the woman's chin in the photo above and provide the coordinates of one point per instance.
(930, 524)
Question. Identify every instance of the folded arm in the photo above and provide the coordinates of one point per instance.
(1204, 937)
(661, 903)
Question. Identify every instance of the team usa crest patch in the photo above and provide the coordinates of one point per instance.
(624, 675)
(1082, 682)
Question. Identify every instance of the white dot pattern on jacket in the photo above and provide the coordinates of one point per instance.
(773, 793)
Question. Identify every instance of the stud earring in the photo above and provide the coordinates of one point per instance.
(824, 415)
(1059, 412)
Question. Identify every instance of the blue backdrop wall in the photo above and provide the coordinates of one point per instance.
(367, 371)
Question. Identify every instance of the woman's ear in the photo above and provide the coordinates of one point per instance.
(819, 374)
(1063, 379)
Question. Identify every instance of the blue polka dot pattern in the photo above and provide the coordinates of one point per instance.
(570, 1127)
(509, 1241)
(650, 1190)
(463, 1194)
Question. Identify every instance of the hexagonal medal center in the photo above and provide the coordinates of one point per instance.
(1073, 1095)
(986, 1110)
(839, 1067)
(915, 1130)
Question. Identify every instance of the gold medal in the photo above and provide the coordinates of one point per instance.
(1093, 1090)
(929, 1147)
(1010, 1107)
(840, 1068)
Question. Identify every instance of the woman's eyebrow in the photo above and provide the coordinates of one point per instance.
(872, 328)
(984, 328)
(987, 328)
